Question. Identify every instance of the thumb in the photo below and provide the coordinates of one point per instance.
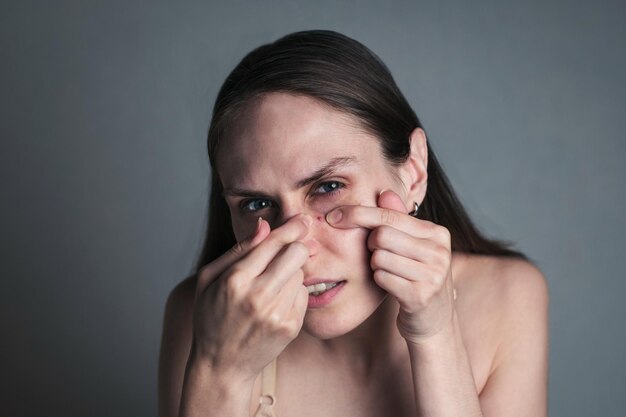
(240, 249)
(390, 200)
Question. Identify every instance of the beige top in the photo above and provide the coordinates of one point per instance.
(268, 386)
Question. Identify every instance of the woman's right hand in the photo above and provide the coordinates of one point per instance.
(250, 302)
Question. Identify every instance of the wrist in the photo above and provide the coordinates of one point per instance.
(445, 336)
(218, 373)
(207, 387)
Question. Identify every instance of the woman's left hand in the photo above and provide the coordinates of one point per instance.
(411, 260)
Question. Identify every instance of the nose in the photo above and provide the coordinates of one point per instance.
(311, 239)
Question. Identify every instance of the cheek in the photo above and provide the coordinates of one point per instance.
(319, 209)
(346, 245)
(343, 243)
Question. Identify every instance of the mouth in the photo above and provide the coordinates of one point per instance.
(317, 289)
(322, 293)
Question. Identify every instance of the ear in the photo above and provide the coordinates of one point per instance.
(414, 171)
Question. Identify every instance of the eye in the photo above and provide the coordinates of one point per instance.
(328, 187)
(256, 204)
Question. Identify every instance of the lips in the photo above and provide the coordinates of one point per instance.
(318, 298)
(318, 289)
(313, 281)
(316, 286)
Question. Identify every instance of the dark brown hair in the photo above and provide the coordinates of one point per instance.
(347, 76)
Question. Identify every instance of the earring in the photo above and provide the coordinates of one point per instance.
(414, 212)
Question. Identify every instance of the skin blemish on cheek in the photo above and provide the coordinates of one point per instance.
(320, 218)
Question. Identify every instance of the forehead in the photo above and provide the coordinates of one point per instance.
(285, 136)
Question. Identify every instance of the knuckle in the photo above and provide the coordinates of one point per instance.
(437, 275)
(273, 321)
(430, 227)
(388, 216)
(287, 329)
(441, 254)
(293, 329)
(235, 285)
(444, 234)
(253, 306)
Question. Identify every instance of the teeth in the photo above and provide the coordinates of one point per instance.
(318, 289)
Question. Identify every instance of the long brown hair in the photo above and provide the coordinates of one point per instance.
(346, 75)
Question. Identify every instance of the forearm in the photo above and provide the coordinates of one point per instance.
(207, 392)
(442, 376)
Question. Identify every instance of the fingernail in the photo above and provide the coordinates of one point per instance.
(257, 228)
(386, 189)
(333, 217)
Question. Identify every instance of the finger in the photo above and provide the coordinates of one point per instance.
(256, 261)
(287, 308)
(393, 284)
(295, 316)
(390, 200)
(284, 265)
(403, 244)
(410, 269)
(288, 293)
(346, 217)
(211, 271)
(407, 268)
(387, 199)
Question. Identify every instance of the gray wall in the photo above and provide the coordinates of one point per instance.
(104, 108)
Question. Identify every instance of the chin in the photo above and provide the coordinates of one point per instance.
(325, 330)
(338, 320)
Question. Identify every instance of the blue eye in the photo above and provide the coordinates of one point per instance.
(329, 187)
(255, 205)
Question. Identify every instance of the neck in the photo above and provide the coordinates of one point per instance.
(374, 344)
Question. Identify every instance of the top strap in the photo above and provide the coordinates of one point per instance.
(268, 382)
(268, 388)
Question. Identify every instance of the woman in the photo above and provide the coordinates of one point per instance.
(340, 274)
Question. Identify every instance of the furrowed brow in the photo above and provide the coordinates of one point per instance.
(329, 168)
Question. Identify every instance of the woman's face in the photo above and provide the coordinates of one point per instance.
(291, 154)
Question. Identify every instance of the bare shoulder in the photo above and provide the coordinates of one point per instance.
(502, 283)
(522, 304)
(175, 345)
(503, 310)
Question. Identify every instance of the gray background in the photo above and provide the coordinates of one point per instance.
(104, 109)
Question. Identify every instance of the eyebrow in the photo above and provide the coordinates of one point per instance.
(327, 169)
